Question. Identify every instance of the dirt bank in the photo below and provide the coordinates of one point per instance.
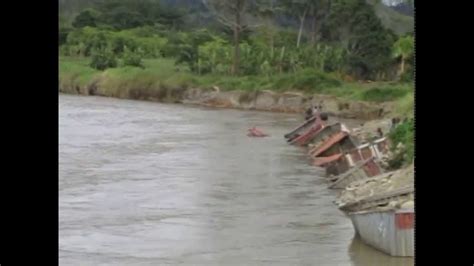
(294, 102)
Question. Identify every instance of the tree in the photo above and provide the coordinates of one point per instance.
(187, 48)
(340, 22)
(173, 18)
(316, 11)
(123, 18)
(127, 14)
(319, 11)
(88, 17)
(103, 59)
(300, 9)
(403, 49)
(354, 26)
(132, 58)
(235, 15)
(63, 33)
(267, 10)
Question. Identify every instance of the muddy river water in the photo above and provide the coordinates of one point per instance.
(162, 184)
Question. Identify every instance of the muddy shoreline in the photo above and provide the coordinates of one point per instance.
(287, 102)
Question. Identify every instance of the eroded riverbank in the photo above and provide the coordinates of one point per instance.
(287, 102)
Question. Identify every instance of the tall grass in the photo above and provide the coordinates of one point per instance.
(162, 73)
(405, 106)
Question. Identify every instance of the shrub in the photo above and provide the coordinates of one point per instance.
(404, 134)
(132, 59)
(103, 59)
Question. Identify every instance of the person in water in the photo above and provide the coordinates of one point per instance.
(254, 132)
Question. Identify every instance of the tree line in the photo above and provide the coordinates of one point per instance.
(241, 37)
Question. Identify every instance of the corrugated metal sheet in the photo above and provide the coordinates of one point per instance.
(317, 144)
(323, 135)
(330, 142)
(303, 140)
(320, 161)
(310, 133)
(405, 236)
(405, 220)
(310, 138)
(379, 230)
(300, 128)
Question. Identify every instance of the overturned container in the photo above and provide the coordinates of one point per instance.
(389, 231)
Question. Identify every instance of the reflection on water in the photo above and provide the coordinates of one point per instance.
(362, 254)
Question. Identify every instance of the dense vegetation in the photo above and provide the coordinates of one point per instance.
(403, 134)
(161, 73)
(243, 37)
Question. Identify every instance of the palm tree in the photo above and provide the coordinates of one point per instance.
(403, 48)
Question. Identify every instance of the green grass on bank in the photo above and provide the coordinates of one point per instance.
(76, 70)
(162, 73)
(405, 106)
(404, 134)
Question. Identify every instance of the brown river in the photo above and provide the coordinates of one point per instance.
(165, 184)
